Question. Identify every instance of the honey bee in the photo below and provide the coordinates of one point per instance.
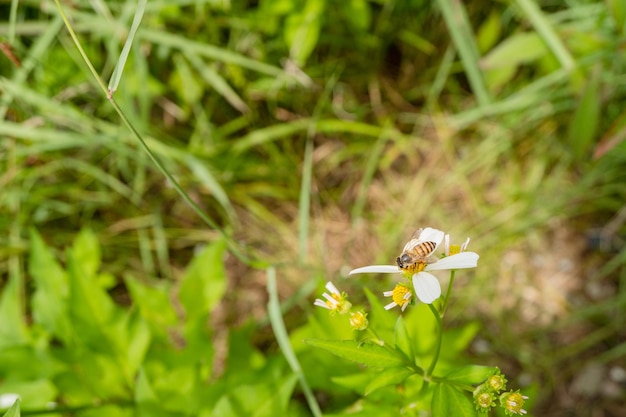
(416, 252)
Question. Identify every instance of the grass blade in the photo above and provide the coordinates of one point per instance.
(465, 43)
(547, 33)
(304, 205)
(121, 62)
(278, 325)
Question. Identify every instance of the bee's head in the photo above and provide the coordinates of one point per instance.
(403, 260)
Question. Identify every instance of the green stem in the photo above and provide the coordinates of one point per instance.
(431, 368)
(447, 297)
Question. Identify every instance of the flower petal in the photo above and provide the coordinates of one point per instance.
(321, 303)
(381, 269)
(331, 287)
(427, 287)
(459, 261)
(431, 235)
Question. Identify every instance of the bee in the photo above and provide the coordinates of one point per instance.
(416, 252)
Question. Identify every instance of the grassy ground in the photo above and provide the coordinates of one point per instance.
(386, 117)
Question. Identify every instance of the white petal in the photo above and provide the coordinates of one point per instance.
(431, 235)
(381, 269)
(388, 293)
(331, 287)
(330, 298)
(7, 400)
(427, 287)
(465, 245)
(459, 261)
(390, 305)
(446, 245)
(321, 303)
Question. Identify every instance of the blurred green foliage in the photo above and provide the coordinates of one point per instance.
(502, 119)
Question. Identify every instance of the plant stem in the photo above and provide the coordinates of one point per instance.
(431, 368)
(445, 300)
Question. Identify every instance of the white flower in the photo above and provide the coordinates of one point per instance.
(7, 400)
(336, 301)
(401, 296)
(454, 249)
(426, 286)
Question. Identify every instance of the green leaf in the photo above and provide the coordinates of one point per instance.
(276, 403)
(489, 31)
(14, 411)
(49, 301)
(185, 81)
(302, 30)
(138, 340)
(154, 304)
(403, 340)
(13, 329)
(358, 13)
(90, 307)
(450, 401)
(582, 129)
(421, 322)
(471, 374)
(204, 282)
(617, 8)
(517, 49)
(383, 320)
(389, 376)
(143, 390)
(33, 394)
(86, 251)
(368, 354)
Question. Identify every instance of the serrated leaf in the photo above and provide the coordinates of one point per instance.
(368, 354)
(403, 340)
(449, 401)
(86, 251)
(154, 303)
(515, 50)
(90, 307)
(204, 282)
(49, 301)
(471, 374)
(389, 376)
(13, 329)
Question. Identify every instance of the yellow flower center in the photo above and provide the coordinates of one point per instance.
(358, 320)
(454, 249)
(513, 402)
(496, 382)
(484, 400)
(399, 294)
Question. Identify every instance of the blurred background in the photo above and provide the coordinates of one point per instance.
(317, 136)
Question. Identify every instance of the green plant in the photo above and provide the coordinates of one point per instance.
(70, 346)
(407, 353)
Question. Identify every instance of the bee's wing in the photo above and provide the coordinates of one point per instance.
(411, 244)
(416, 234)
